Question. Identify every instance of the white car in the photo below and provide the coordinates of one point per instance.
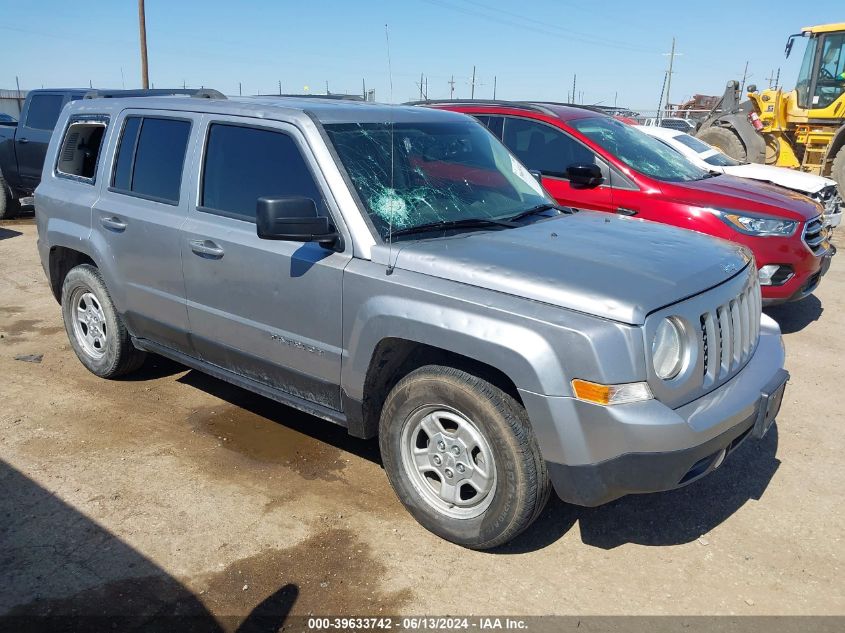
(820, 189)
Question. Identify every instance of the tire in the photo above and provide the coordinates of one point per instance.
(726, 141)
(9, 206)
(837, 171)
(99, 338)
(489, 430)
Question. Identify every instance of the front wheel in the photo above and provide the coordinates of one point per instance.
(462, 457)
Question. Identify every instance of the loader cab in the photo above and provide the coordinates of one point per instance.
(821, 79)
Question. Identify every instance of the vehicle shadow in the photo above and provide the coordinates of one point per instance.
(309, 425)
(794, 317)
(64, 572)
(666, 518)
(6, 234)
(154, 367)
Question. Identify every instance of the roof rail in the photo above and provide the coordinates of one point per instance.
(525, 105)
(204, 93)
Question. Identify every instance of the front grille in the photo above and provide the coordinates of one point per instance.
(816, 235)
(729, 334)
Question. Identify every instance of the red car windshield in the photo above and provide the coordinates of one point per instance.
(638, 150)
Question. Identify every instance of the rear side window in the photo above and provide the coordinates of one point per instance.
(243, 164)
(150, 158)
(80, 150)
(43, 111)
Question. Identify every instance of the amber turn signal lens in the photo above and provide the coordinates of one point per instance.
(610, 394)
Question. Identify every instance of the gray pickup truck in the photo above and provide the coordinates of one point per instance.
(396, 271)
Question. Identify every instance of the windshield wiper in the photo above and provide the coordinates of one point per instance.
(540, 208)
(466, 223)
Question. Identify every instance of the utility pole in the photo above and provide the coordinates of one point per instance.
(240, 93)
(672, 56)
(494, 87)
(20, 103)
(472, 91)
(452, 87)
(122, 80)
(280, 87)
(327, 88)
(574, 76)
(744, 77)
(364, 89)
(426, 89)
(615, 95)
(660, 101)
(771, 77)
(421, 86)
(142, 25)
(777, 79)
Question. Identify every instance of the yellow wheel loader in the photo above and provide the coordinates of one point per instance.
(803, 128)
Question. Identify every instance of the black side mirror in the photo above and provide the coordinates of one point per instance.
(587, 174)
(538, 175)
(294, 220)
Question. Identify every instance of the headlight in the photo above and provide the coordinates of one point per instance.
(667, 349)
(756, 225)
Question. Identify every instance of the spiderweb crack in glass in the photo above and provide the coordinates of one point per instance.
(441, 171)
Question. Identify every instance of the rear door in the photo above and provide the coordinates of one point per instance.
(138, 218)
(549, 150)
(268, 310)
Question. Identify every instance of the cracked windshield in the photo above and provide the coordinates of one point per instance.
(442, 171)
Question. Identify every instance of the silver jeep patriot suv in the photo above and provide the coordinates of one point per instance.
(396, 271)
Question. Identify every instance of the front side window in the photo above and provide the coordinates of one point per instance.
(412, 173)
(44, 111)
(638, 150)
(830, 83)
(243, 164)
(151, 156)
(544, 148)
(80, 150)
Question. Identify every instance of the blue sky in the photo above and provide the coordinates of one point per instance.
(532, 48)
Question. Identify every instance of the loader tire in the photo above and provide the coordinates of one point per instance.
(837, 172)
(726, 141)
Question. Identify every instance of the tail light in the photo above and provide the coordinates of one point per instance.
(754, 120)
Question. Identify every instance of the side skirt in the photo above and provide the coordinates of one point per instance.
(311, 408)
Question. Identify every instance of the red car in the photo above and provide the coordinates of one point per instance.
(590, 160)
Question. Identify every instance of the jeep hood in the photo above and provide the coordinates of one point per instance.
(610, 266)
(743, 194)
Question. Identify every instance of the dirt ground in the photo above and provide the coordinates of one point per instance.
(172, 492)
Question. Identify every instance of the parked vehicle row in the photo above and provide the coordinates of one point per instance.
(397, 271)
(592, 161)
(822, 190)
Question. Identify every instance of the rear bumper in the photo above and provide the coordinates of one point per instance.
(595, 454)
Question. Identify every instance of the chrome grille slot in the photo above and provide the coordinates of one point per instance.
(816, 235)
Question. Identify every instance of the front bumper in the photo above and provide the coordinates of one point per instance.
(595, 454)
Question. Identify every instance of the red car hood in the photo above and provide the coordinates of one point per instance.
(743, 194)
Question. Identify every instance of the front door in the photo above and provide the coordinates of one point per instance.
(265, 309)
(549, 150)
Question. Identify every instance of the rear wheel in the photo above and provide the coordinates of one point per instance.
(725, 141)
(9, 206)
(837, 172)
(462, 457)
(94, 327)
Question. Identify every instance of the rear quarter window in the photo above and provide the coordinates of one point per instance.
(79, 153)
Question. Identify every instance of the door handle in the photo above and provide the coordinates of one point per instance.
(206, 248)
(113, 224)
(23, 141)
(624, 211)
